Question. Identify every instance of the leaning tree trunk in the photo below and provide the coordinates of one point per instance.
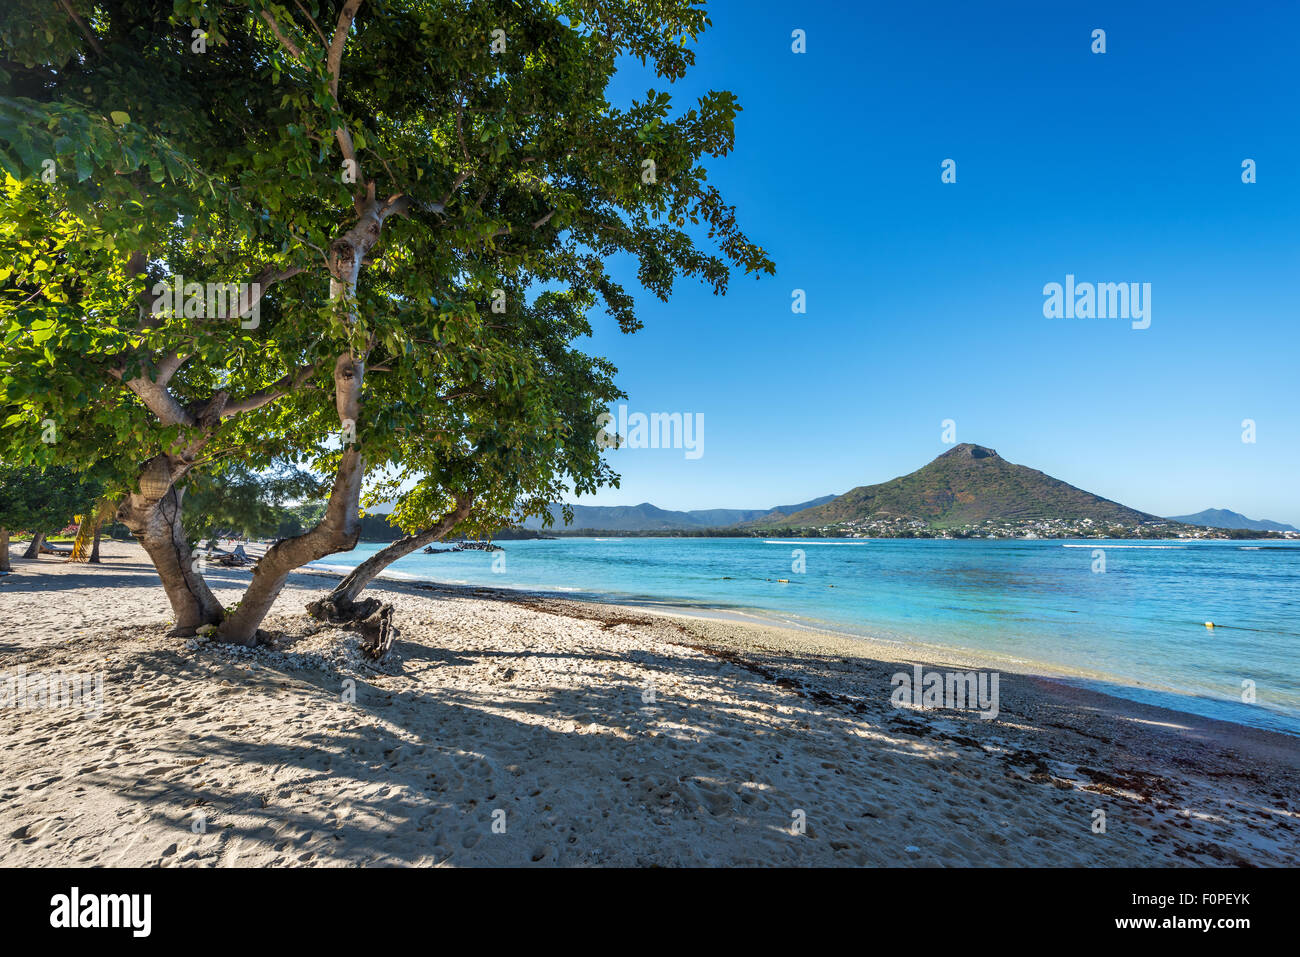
(340, 604)
(4, 551)
(88, 532)
(34, 549)
(156, 524)
(338, 531)
(81, 544)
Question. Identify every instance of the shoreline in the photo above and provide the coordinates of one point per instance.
(913, 651)
(605, 735)
(826, 641)
(872, 647)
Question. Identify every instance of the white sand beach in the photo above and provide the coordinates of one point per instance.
(588, 735)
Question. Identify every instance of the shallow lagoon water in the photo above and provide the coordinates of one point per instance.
(1136, 629)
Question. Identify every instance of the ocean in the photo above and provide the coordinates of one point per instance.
(1133, 627)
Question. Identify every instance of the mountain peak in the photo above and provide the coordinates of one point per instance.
(968, 450)
(969, 485)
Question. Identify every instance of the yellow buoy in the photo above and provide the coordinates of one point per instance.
(1209, 624)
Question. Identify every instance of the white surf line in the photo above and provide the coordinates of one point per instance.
(767, 541)
(1101, 544)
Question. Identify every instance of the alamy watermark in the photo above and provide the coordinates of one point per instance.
(53, 689)
(212, 300)
(956, 690)
(1102, 300)
(75, 909)
(657, 430)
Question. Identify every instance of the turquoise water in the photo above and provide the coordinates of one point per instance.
(1137, 629)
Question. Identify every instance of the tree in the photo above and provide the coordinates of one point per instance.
(36, 500)
(517, 451)
(235, 500)
(155, 150)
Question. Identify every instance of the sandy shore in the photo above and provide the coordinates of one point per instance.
(515, 730)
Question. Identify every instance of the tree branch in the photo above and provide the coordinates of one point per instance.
(536, 224)
(278, 389)
(454, 186)
(288, 44)
(312, 21)
(334, 63)
(159, 400)
(268, 277)
(335, 57)
(349, 151)
(81, 24)
(168, 365)
(396, 205)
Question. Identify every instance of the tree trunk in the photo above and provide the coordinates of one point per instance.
(338, 531)
(81, 544)
(377, 633)
(339, 604)
(88, 532)
(156, 524)
(340, 527)
(34, 549)
(4, 551)
(94, 548)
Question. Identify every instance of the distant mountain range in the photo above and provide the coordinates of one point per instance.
(968, 485)
(647, 517)
(1222, 518)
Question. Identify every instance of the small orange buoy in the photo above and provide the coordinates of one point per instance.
(784, 581)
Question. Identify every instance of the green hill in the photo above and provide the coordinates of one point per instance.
(1224, 518)
(967, 485)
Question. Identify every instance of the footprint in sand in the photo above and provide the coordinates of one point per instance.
(30, 832)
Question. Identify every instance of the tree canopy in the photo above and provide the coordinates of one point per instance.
(407, 210)
(39, 501)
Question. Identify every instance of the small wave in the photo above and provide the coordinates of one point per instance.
(1101, 544)
(801, 544)
(342, 569)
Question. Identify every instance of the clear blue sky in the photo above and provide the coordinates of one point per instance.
(925, 299)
